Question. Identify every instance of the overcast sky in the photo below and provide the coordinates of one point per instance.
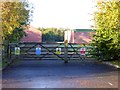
(63, 13)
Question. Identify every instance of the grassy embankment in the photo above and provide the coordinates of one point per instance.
(115, 62)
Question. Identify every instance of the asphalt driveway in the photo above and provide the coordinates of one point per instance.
(57, 74)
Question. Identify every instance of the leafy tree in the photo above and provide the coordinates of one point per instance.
(107, 25)
(52, 34)
(15, 15)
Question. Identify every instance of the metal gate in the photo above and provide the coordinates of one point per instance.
(61, 51)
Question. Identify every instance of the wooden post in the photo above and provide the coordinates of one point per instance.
(9, 51)
(66, 52)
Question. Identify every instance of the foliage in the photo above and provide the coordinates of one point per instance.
(107, 25)
(115, 62)
(52, 34)
(15, 15)
(14, 19)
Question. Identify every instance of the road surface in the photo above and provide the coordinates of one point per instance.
(57, 74)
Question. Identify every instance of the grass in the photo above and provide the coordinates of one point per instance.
(115, 62)
(4, 64)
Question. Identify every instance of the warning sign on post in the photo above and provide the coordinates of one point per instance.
(82, 51)
(38, 51)
(58, 50)
(17, 50)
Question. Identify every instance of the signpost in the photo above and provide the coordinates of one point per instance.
(82, 51)
(58, 51)
(17, 50)
(38, 51)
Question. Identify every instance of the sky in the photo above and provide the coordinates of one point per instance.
(71, 14)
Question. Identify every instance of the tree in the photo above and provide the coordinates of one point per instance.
(107, 25)
(15, 15)
(52, 34)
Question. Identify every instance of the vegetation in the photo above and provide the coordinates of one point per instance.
(107, 25)
(115, 62)
(52, 34)
(15, 16)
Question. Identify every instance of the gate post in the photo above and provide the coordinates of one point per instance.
(9, 51)
(66, 51)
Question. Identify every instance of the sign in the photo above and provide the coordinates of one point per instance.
(17, 50)
(58, 50)
(82, 51)
(38, 51)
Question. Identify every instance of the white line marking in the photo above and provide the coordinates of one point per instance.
(110, 83)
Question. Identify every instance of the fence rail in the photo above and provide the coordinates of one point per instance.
(71, 51)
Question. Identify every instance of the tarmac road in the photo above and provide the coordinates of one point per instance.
(57, 74)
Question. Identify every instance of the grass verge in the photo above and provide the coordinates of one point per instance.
(115, 62)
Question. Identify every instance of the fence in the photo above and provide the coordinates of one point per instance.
(4, 60)
(61, 51)
(0, 56)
